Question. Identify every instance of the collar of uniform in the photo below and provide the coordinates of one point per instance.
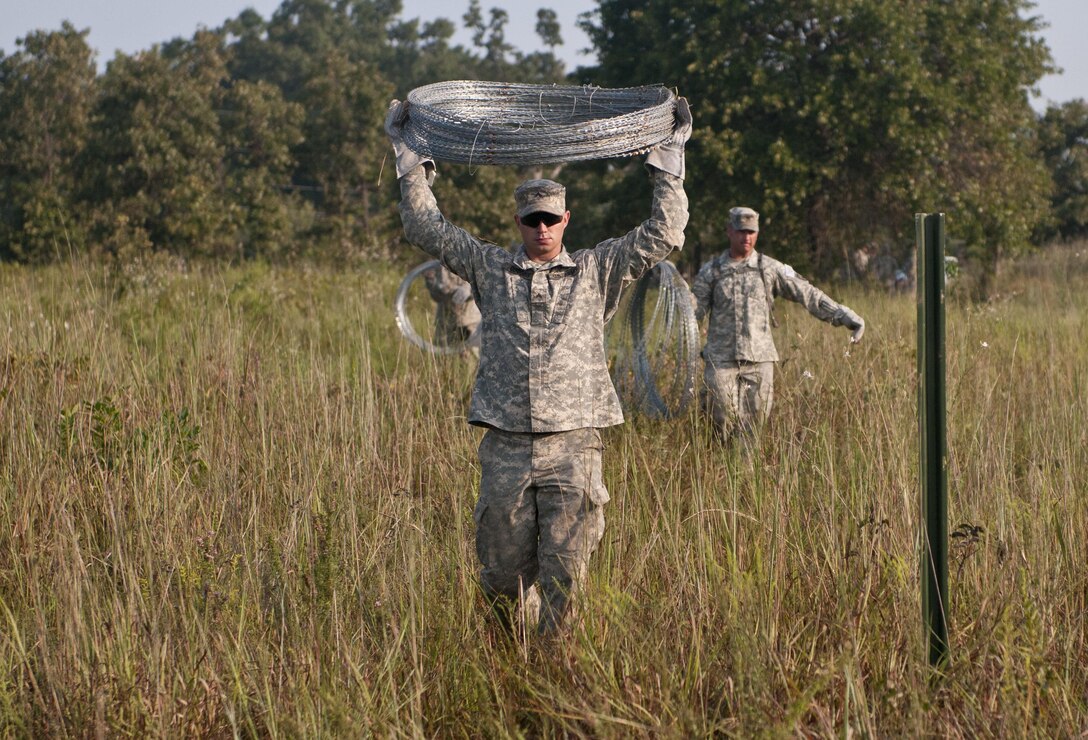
(728, 263)
(522, 261)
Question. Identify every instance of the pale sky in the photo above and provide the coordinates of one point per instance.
(132, 25)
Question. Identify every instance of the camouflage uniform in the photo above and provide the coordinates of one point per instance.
(456, 315)
(542, 388)
(739, 353)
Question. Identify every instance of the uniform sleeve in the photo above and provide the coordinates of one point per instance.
(626, 258)
(427, 228)
(701, 289)
(788, 284)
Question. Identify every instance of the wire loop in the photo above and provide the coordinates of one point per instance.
(535, 124)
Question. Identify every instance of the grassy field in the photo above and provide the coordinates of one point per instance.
(233, 501)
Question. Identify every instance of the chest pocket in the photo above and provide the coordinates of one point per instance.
(741, 289)
(517, 293)
(541, 297)
(561, 291)
(754, 292)
(732, 286)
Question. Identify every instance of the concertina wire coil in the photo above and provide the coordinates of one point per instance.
(408, 329)
(477, 123)
(660, 352)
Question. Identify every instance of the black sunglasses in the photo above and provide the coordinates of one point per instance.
(534, 220)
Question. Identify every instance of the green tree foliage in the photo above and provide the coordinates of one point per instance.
(46, 92)
(324, 57)
(344, 147)
(423, 54)
(1063, 141)
(259, 129)
(182, 159)
(245, 142)
(261, 139)
(548, 28)
(839, 119)
(288, 49)
(153, 160)
(500, 61)
(489, 35)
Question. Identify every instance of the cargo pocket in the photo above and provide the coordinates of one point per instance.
(482, 547)
(478, 512)
(598, 494)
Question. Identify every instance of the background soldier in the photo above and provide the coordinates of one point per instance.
(542, 387)
(737, 289)
(455, 314)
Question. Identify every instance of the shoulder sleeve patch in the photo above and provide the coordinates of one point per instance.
(787, 271)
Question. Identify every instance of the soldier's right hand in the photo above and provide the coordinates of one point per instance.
(395, 118)
(407, 159)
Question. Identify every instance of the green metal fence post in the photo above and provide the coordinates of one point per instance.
(933, 449)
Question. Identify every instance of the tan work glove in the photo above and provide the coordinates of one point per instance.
(669, 156)
(407, 160)
(852, 321)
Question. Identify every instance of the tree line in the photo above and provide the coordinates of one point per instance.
(837, 119)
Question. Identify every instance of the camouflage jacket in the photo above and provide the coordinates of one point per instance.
(739, 296)
(542, 361)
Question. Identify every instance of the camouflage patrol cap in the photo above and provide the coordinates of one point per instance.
(540, 195)
(743, 219)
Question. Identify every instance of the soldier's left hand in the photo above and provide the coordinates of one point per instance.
(856, 336)
(669, 156)
(681, 131)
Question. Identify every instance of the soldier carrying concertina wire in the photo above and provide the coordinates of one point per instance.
(542, 387)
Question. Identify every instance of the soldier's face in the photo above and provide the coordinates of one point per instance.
(741, 242)
(543, 241)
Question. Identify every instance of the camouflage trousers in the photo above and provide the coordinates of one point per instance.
(539, 518)
(738, 395)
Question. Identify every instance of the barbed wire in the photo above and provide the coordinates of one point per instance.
(474, 122)
(657, 351)
(407, 328)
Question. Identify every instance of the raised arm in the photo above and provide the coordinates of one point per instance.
(424, 224)
(626, 258)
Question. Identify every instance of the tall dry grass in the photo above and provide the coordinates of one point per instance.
(232, 501)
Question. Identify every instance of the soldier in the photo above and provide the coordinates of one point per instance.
(455, 315)
(737, 289)
(542, 387)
